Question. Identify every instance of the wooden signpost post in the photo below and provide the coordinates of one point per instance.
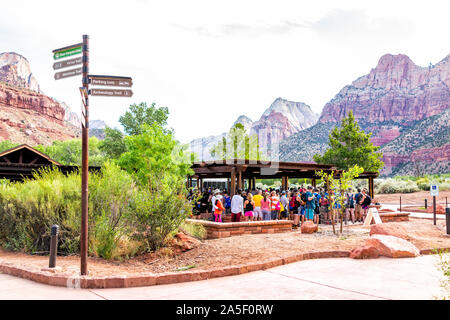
(114, 81)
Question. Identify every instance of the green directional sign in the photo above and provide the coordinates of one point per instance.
(67, 52)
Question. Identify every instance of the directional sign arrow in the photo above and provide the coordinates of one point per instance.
(68, 73)
(110, 81)
(111, 93)
(67, 63)
(67, 51)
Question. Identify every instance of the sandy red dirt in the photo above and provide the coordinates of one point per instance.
(245, 249)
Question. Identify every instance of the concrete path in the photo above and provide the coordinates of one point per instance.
(338, 278)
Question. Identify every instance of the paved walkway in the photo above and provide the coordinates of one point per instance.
(339, 278)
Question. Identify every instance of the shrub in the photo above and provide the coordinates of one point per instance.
(29, 209)
(423, 184)
(395, 186)
(157, 212)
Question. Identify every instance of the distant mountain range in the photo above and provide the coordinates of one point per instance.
(282, 119)
(405, 106)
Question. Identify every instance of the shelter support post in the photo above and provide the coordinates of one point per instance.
(233, 181)
(371, 192)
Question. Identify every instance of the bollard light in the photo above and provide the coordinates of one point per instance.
(53, 246)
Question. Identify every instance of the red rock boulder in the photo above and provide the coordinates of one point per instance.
(439, 209)
(365, 252)
(392, 247)
(183, 242)
(309, 227)
(395, 229)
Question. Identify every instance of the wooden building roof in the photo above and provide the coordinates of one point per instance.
(21, 161)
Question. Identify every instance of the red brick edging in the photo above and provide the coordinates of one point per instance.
(164, 278)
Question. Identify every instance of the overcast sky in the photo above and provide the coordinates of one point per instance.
(211, 61)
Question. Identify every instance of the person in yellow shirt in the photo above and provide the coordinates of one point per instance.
(257, 212)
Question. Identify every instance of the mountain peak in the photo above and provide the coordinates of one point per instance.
(15, 70)
(390, 61)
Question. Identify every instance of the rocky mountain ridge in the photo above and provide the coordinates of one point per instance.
(279, 121)
(398, 102)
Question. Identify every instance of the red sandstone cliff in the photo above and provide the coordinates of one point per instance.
(396, 90)
(26, 114)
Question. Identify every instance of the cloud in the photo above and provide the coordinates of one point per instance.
(236, 29)
(344, 23)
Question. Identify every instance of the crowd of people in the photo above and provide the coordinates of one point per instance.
(297, 204)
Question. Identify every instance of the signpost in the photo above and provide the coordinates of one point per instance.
(114, 81)
(67, 63)
(110, 93)
(68, 73)
(110, 81)
(434, 191)
(67, 51)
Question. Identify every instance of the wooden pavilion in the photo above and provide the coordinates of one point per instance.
(21, 161)
(238, 170)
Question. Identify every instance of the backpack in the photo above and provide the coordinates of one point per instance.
(292, 203)
(303, 197)
(351, 201)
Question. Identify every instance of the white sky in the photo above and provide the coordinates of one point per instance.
(211, 61)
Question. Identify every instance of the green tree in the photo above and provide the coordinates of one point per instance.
(6, 144)
(140, 114)
(349, 145)
(337, 188)
(237, 145)
(114, 144)
(154, 154)
(69, 152)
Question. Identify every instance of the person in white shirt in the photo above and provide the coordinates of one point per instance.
(237, 207)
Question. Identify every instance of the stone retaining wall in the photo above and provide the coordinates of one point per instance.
(216, 230)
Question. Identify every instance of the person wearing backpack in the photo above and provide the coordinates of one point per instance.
(317, 197)
(358, 209)
(302, 207)
(350, 206)
(294, 204)
(365, 202)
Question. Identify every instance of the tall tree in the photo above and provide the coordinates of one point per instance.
(237, 145)
(113, 145)
(140, 114)
(349, 145)
(154, 154)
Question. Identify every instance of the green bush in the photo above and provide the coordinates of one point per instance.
(423, 184)
(395, 186)
(29, 209)
(157, 212)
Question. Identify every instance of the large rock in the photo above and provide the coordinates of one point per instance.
(395, 229)
(439, 209)
(393, 247)
(183, 242)
(365, 252)
(309, 227)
